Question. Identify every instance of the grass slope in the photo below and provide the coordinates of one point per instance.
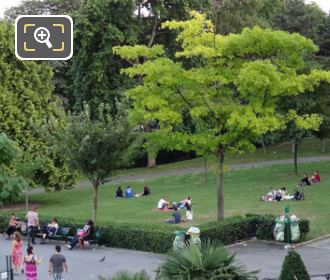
(242, 191)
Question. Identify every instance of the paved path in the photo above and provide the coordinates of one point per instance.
(269, 257)
(256, 255)
(182, 171)
(85, 265)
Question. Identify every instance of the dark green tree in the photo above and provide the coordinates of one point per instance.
(95, 71)
(11, 185)
(293, 268)
(96, 147)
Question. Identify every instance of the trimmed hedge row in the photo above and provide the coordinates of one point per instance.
(159, 238)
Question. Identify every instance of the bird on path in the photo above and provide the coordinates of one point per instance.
(102, 260)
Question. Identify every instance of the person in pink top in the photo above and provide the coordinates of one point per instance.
(17, 253)
(316, 178)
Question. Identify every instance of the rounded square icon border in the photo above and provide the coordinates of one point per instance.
(44, 58)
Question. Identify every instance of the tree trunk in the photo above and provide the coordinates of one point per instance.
(151, 160)
(220, 171)
(95, 189)
(323, 145)
(295, 157)
(263, 145)
(27, 197)
(205, 169)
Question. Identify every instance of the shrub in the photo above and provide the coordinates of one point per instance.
(293, 268)
(125, 275)
(159, 238)
(210, 261)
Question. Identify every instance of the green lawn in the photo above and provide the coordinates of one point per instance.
(242, 191)
(309, 147)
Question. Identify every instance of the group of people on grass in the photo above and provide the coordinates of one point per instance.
(281, 194)
(163, 205)
(129, 192)
(57, 264)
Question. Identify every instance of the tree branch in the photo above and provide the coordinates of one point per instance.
(154, 32)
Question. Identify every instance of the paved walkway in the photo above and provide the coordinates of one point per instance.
(256, 255)
(269, 257)
(85, 265)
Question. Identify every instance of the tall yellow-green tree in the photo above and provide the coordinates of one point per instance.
(231, 94)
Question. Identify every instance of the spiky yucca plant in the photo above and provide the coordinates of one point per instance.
(125, 275)
(211, 261)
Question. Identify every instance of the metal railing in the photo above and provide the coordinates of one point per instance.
(6, 271)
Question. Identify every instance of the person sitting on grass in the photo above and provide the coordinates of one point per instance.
(163, 203)
(176, 217)
(189, 212)
(270, 196)
(297, 195)
(87, 233)
(48, 230)
(316, 178)
(119, 192)
(146, 191)
(305, 181)
(129, 192)
(12, 226)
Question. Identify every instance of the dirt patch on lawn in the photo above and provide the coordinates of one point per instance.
(18, 206)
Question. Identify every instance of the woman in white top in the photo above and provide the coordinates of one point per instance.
(163, 203)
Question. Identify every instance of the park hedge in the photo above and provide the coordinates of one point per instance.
(159, 238)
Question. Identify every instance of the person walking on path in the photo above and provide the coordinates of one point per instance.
(31, 261)
(33, 224)
(16, 253)
(57, 265)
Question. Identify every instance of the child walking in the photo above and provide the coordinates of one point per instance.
(31, 261)
(16, 253)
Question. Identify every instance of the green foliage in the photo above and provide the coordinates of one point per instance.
(27, 104)
(99, 25)
(293, 268)
(210, 261)
(232, 96)
(96, 147)
(159, 238)
(125, 275)
(10, 185)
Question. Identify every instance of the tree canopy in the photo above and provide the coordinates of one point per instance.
(232, 95)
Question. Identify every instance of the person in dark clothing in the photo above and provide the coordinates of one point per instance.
(176, 217)
(119, 192)
(146, 191)
(305, 181)
(12, 226)
(84, 235)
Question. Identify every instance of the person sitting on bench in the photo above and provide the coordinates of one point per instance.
(12, 226)
(50, 229)
(87, 233)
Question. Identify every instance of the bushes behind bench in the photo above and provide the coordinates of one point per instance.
(159, 238)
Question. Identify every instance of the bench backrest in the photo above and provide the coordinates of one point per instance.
(63, 231)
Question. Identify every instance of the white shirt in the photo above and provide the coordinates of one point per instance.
(32, 218)
(161, 203)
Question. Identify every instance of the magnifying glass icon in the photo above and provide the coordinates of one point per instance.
(41, 35)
